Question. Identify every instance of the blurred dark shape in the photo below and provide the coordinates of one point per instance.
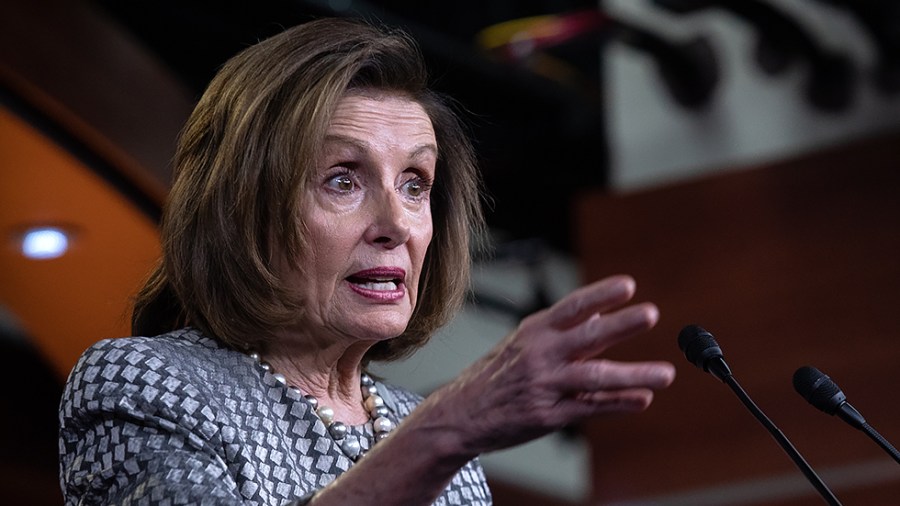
(688, 68)
(881, 19)
(28, 427)
(783, 42)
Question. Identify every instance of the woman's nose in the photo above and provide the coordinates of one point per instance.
(389, 226)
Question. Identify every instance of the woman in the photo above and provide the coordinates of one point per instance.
(320, 219)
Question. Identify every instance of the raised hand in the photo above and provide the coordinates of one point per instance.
(549, 372)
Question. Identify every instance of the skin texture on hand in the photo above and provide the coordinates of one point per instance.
(546, 374)
(550, 373)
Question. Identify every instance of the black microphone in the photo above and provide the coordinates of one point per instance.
(701, 349)
(820, 391)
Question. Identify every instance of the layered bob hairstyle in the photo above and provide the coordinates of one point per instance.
(242, 166)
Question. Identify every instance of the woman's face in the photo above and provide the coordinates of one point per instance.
(368, 215)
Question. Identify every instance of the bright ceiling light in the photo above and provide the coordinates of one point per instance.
(44, 243)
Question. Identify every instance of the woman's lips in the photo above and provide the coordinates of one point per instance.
(379, 283)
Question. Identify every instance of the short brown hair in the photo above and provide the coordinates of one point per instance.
(242, 165)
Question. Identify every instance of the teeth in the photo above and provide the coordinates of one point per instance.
(379, 285)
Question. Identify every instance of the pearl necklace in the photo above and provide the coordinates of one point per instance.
(374, 404)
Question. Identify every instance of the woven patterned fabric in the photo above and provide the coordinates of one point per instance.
(180, 419)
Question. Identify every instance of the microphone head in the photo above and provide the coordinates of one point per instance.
(818, 389)
(698, 345)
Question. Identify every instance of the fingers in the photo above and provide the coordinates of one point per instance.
(549, 364)
(586, 405)
(594, 298)
(600, 332)
(633, 400)
(595, 376)
(601, 387)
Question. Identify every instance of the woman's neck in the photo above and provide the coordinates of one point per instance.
(330, 374)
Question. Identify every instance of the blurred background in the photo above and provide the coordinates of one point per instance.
(739, 158)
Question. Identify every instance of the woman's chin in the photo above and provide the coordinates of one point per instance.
(384, 333)
(376, 327)
(377, 315)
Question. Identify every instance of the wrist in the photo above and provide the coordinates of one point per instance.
(445, 428)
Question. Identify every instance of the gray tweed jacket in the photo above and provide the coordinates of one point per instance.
(181, 419)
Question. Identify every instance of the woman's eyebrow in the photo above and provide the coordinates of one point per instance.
(346, 141)
(424, 149)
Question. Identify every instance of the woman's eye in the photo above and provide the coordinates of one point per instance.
(416, 187)
(341, 183)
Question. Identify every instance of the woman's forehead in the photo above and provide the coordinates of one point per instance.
(367, 121)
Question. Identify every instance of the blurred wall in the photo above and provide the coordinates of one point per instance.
(753, 117)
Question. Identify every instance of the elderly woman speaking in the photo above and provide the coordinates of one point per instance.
(320, 219)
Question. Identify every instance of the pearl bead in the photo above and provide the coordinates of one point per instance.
(326, 414)
(382, 424)
(374, 404)
(337, 430)
(373, 401)
(351, 447)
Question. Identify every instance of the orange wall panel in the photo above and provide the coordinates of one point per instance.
(65, 304)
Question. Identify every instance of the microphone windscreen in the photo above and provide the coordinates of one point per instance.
(698, 345)
(818, 389)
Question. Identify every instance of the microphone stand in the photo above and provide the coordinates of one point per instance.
(783, 441)
(882, 442)
(702, 350)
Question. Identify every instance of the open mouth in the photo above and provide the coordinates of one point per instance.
(379, 279)
(380, 284)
